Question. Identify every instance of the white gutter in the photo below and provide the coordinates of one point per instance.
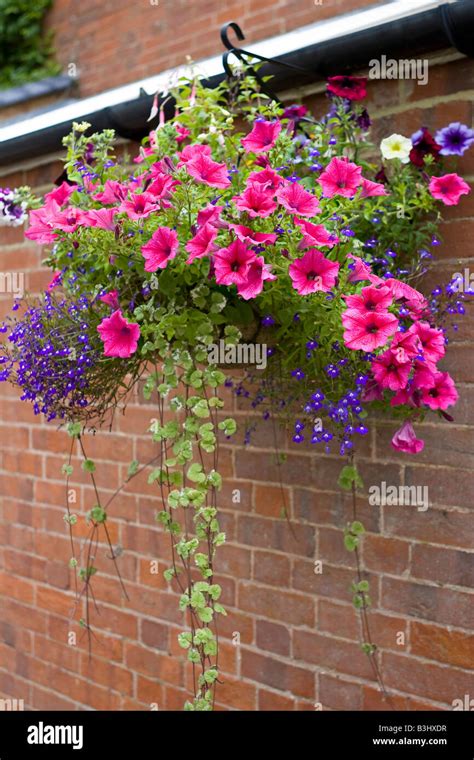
(320, 31)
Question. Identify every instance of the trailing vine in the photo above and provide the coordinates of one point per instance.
(350, 480)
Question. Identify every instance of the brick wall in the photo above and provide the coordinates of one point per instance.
(298, 631)
(153, 35)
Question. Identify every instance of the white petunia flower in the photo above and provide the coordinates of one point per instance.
(396, 146)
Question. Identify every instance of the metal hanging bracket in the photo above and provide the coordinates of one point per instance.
(246, 55)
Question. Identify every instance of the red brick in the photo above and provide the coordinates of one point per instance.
(449, 566)
(331, 548)
(268, 700)
(276, 534)
(343, 656)
(277, 674)
(238, 694)
(373, 698)
(52, 599)
(153, 664)
(273, 637)
(107, 674)
(47, 700)
(154, 634)
(233, 560)
(149, 692)
(332, 509)
(425, 680)
(279, 605)
(272, 501)
(16, 588)
(271, 568)
(339, 694)
(452, 527)
(441, 605)
(63, 656)
(385, 555)
(436, 643)
(333, 581)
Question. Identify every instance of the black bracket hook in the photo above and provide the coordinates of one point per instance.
(240, 52)
(225, 34)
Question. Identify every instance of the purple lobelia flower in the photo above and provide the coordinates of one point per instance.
(54, 354)
(454, 139)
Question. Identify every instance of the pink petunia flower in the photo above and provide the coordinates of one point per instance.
(314, 235)
(405, 347)
(164, 166)
(442, 392)
(414, 301)
(162, 186)
(202, 244)
(369, 299)
(231, 264)
(101, 217)
(191, 152)
(60, 194)
(405, 397)
(313, 272)
(389, 373)
(405, 440)
(160, 249)
(267, 180)
(40, 228)
(448, 188)
(182, 133)
(203, 169)
(255, 202)
(293, 197)
(211, 215)
(372, 391)
(67, 219)
(423, 376)
(111, 299)
(369, 332)
(370, 189)
(139, 205)
(431, 341)
(262, 161)
(262, 137)
(113, 192)
(360, 271)
(255, 276)
(249, 236)
(340, 177)
(144, 153)
(119, 336)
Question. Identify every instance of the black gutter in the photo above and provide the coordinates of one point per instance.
(448, 25)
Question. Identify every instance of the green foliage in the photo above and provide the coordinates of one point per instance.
(352, 535)
(97, 514)
(349, 476)
(25, 50)
(74, 429)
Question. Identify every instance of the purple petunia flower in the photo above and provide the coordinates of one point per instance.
(454, 139)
